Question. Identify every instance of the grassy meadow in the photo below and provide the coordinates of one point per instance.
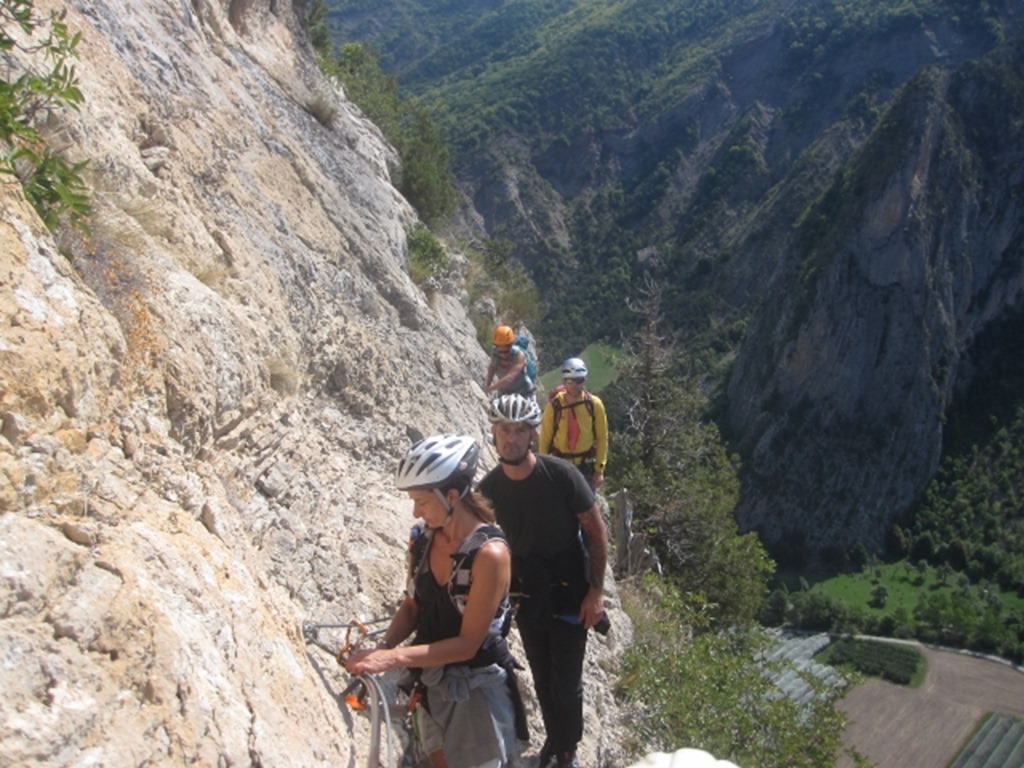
(600, 370)
(904, 584)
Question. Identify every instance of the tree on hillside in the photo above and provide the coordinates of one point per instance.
(655, 419)
(683, 483)
(316, 23)
(424, 178)
(424, 173)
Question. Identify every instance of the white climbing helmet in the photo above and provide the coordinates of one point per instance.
(515, 409)
(574, 368)
(439, 463)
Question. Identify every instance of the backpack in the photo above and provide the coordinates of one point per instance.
(558, 407)
(523, 342)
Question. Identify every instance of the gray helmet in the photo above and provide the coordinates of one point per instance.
(439, 463)
(515, 409)
(574, 368)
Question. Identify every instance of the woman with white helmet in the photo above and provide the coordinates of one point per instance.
(457, 603)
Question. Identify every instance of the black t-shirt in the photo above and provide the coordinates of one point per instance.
(539, 513)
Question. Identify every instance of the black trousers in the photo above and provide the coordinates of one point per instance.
(555, 650)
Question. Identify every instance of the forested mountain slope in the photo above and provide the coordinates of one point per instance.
(829, 192)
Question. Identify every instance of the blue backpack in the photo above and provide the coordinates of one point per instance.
(523, 342)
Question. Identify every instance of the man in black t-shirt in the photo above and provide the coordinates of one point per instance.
(559, 551)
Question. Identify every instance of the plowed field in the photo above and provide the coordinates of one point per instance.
(898, 727)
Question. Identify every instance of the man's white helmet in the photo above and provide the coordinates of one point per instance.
(515, 409)
(574, 368)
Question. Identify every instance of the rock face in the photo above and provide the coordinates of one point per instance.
(840, 389)
(203, 401)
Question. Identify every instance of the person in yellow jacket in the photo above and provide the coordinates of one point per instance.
(575, 425)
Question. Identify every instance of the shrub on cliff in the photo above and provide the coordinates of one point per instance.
(47, 82)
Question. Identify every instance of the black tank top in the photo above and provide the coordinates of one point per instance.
(441, 605)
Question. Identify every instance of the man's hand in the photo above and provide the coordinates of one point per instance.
(592, 608)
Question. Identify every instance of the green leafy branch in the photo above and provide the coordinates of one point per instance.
(53, 186)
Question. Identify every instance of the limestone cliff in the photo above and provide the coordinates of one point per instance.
(203, 401)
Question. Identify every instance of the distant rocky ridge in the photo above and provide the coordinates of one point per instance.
(203, 402)
(869, 264)
(847, 201)
(841, 389)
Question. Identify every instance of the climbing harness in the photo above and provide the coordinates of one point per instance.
(362, 688)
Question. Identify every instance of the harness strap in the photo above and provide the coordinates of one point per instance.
(559, 406)
(589, 453)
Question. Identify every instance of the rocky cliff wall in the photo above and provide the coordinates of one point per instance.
(203, 401)
(841, 388)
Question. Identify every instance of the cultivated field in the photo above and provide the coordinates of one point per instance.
(897, 727)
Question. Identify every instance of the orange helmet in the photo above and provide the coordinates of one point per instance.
(504, 336)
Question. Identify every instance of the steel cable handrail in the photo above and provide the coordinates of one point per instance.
(368, 686)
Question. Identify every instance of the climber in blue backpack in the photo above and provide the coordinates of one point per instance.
(512, 364)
